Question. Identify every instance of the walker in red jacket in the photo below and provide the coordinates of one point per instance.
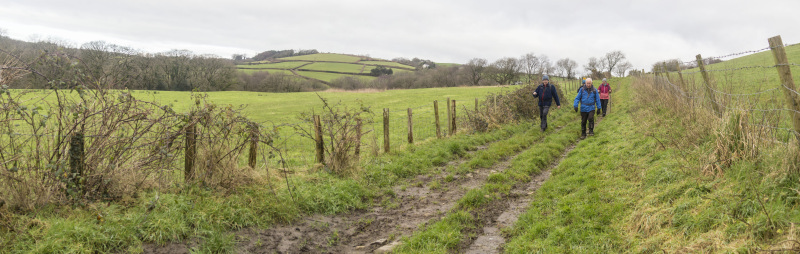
(605, 91)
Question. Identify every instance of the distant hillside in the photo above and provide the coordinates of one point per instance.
(324, 67)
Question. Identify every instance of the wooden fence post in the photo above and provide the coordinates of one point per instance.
(436, 116)
(449, 118)
(76, 161)
(358, 138)
(386, 130)
(253, 145)
(681, 83)
(191, 152)
(785, 72)
(454, 118)
(709, 90)
(476, 105)
(410, 127)
(320, 144)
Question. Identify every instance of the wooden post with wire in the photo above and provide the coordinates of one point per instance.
(453, 121)
(681, 83)
(436, 115)
(449, 118)
(358, 139)
(386, 130)
(785, 72)
(251, 160)
(709, 89)
(191, 152)
(410, 127)
(320, 144)
(76, 162)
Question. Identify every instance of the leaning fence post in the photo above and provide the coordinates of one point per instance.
(410, 127)
(449, 118)
(785, 72)
(253, 145)
(320, 145)
(386, 130)
(709, 90)
(436, 116)
(76, 160)
(681, 83)
(191, 151)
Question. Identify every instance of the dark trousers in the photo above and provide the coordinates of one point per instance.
(587, 116)
(543, 110)
(604, 104)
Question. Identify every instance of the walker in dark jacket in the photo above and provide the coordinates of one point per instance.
(546, 93)
(588, 99)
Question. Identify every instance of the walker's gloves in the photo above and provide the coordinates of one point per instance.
(576, 109)
(598, 112)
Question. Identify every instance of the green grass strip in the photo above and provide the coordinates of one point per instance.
(500, 150)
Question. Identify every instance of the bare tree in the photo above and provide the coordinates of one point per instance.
(505, 70)
(567, 67)
(611, 59)
(530, 64)
(545, 66)
(622, 68)
(593, 65)
(3, 32)
(475, 70)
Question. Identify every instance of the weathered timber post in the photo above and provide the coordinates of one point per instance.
(320, 144)
(358, 138)
(449, 118)
(436, 116)
(709, 89)
(410, 127)
(681, 83)
(785, 72)
(191, 152)
(386, 130)
(476, 105)
(454, 118)
(253, 145)
(76, 161)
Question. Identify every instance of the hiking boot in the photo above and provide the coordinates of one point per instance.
(583, 135)
(591, 132)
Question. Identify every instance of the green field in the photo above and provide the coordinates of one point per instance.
(387, 64)
(275, 71)
(328, 77)
(324, 57)
(279, 65)
(337, 67)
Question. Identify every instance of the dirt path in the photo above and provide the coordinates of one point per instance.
(508, 210)
(365, 231)
(491, 240)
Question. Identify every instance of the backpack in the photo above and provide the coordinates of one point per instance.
(591, 95)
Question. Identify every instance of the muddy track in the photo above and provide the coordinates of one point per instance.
(411, 207)
(504, 212)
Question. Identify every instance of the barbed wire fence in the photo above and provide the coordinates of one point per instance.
(756, 85)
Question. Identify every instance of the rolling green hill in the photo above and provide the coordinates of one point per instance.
(324, 67)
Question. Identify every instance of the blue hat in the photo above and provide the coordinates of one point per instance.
(545, 77)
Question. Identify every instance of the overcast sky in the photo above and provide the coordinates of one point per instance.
(443, 31)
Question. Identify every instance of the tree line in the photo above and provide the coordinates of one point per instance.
(119, 67)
